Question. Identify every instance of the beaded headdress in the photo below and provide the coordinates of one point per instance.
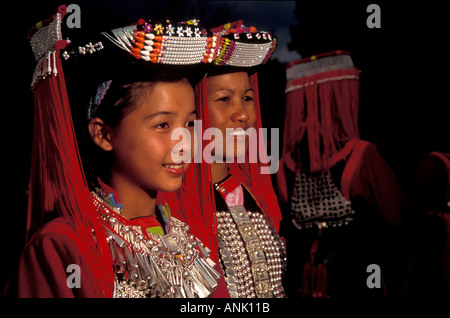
(242, 46)
(183, 43)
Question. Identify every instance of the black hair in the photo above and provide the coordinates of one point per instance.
(125, 92)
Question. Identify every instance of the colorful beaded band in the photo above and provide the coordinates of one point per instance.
(183, 44)
(244, 54)
(242, 46)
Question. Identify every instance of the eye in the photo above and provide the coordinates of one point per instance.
(190, 124)
(162, 125)
(248, 98)
(224, 99)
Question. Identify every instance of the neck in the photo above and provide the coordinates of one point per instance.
(136, 201)
(219, 171)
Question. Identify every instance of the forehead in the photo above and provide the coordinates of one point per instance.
(232, 81)
(176, 97)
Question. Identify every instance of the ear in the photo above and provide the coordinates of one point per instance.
(100, 134)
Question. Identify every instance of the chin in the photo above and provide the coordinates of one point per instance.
(240, 152)
(171, 185)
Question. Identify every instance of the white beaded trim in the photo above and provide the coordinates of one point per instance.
(245, 54)
(43, 47)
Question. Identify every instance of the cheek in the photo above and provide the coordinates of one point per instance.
(154, 149)
(217, 117)
(194, 145)
(140, 151)
(251, 115)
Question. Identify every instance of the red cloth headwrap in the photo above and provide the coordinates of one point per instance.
(322, 100)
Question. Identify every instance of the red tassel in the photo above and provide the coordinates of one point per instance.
(57, 181)
(325, 105)
(306, 282)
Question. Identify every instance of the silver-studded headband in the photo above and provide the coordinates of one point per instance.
(241, 46)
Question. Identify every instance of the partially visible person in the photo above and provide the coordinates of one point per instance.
(345, 202)
(429, 271)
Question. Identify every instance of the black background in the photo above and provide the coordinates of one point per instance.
(403, 84)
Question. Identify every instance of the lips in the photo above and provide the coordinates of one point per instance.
(174, 169)
(239, 135)
(239, 131)
(236, 133)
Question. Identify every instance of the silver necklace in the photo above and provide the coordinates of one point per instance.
(175, 265)
(253, 256)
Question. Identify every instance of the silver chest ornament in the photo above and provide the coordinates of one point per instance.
(175, 265)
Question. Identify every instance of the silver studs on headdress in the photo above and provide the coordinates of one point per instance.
(43, 45)
(83, 50)
(182, 44)
(242, 46)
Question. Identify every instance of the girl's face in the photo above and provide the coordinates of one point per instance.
(231, 105)
(142, 144)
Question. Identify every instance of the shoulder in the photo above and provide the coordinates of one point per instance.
(56, 236)
(43, 264)
(363, 148)
(359, 167)
(364, 153)
(58, 227)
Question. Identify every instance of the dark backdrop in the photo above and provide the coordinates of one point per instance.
(403, 81)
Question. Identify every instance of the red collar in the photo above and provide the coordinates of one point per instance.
(227, 186)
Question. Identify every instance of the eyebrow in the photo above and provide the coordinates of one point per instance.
(166, 113)
(232, 91)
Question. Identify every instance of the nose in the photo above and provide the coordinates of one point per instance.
(240, 113)
(182, 144)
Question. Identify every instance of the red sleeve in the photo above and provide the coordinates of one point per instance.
(43, 264)
(367, 175)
